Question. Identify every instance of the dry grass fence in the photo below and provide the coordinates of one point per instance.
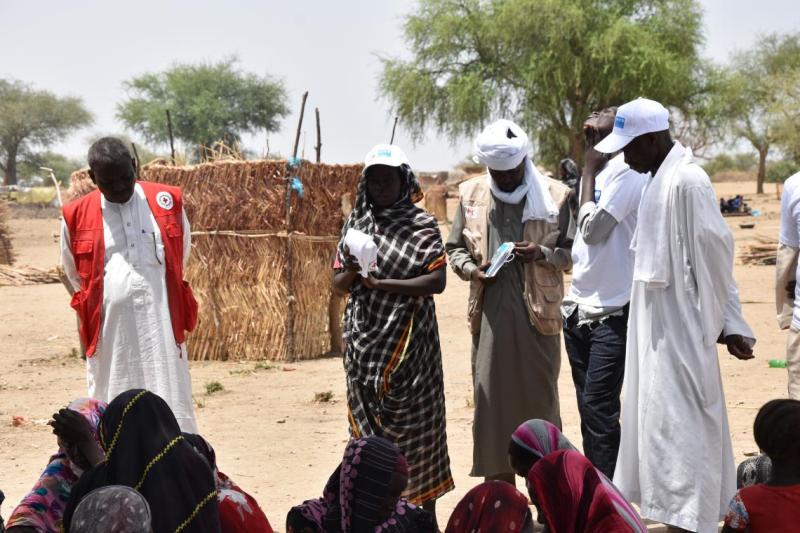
(6, 251)
(238, 264)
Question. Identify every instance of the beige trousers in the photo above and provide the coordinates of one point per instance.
(793, 363)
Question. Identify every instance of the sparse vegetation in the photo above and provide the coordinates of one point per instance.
(213, 387)
(323, 397)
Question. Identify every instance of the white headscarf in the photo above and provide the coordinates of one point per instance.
(503, 146)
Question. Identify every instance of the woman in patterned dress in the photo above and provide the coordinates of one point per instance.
(393, 360)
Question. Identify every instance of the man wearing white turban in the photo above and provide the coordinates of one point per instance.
(514, 315)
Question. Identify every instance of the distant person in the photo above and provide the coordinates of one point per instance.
(571, 497)
(145, 450)
(492, 506)
(123, 249)
(596, 307)
(676, 456)
(515, 316)
(42, 509)
(112, 509)
(775, 504)
(570, 176)
(393, 359)
(536, 439)
(364, 494)
(786, 290)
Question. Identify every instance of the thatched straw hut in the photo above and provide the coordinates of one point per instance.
(238, 266)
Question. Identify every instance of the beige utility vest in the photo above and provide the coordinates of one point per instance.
(543, 283)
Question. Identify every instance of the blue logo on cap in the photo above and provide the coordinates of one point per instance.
(384, 153)
(619, 122)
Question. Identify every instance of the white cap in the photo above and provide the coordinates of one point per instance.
(633, 119)
(385, 154)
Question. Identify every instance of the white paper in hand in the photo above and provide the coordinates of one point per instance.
(364, 249)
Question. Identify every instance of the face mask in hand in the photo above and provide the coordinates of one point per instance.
(503, 255)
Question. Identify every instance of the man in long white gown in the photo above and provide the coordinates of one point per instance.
(123, 249)
(676, 458)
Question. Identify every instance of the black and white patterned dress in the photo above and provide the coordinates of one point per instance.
(393, 360)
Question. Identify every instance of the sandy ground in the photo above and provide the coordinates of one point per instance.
(270, 435)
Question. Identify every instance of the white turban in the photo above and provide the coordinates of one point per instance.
(503, 146)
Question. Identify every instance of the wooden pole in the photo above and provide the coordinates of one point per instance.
(138, 163)
(171, 139)
(290, 299)
(391, 141)
(318, 148)
(300, 124)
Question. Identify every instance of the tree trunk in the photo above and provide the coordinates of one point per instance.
(577, 148)
(11, 165)
(762, 168)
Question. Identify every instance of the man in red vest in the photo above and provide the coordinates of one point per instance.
(123, 249)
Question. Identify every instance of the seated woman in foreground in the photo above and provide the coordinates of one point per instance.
(536, 439)
(571, 496)
(492, 506)
(775, 504)
(146, 451)
(42, 509)
(363, 494)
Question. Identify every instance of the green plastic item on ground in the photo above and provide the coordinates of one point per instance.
(777, 363)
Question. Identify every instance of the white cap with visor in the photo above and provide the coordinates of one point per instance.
(633, 119)
(385, 154)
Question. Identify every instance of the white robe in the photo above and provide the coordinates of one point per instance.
(676, 457)
(137, 347)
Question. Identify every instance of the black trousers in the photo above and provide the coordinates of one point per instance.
(597, 357)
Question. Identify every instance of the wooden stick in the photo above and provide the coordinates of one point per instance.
(391, 141)
(319, 138)
(171, 140)
(290, 355)
(138, 163)
(300, 124)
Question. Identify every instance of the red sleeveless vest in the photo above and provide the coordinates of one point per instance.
(84, 221)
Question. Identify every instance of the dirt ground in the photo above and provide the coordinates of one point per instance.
(270, 435)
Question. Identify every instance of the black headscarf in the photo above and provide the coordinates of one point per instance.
(145, 450)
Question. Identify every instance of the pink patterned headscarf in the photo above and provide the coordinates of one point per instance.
(43, 507)
(540, 437)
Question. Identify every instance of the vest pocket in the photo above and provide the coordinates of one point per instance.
(84, 258)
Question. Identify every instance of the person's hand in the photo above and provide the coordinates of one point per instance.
(71, 427)
(371, 282)
(790, 289)
(739, 347)
(350, 262)
(479, 275)
(528, 251)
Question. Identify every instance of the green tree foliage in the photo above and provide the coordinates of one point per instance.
(741, 162)
(762, 97)
(32, 120)
(209, 103)
(545, 63)
(30, 172)
(779, 171)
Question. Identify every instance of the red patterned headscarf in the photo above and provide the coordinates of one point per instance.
(571, 496)
(491, 506)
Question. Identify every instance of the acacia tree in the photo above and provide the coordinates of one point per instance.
(32, 120)
(762, 98)
(208, 103)
(545, 63)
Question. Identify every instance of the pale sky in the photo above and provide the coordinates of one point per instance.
(87, 48)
